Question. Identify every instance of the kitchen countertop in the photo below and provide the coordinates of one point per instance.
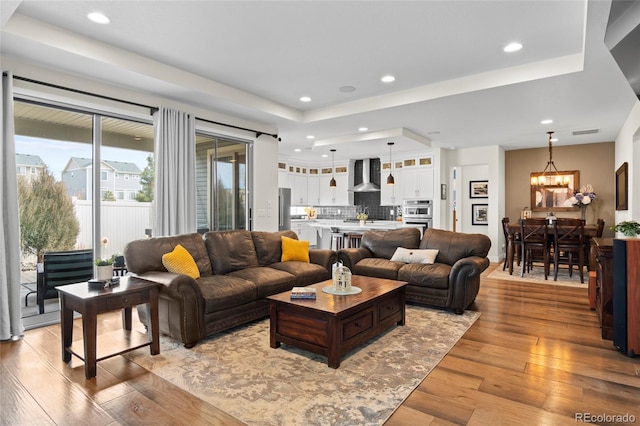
(351, 226)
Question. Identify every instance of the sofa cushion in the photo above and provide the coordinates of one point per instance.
(146, 255)
(268, 245)
(230, 250)
(305, 273)
(377, 267)
(179, 261)
(424, 275)
(294, 250)
(268, 281)
(414, 255)
(384, 243)
(222, 292)
(454, 246)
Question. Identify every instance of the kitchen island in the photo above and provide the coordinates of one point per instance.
(325, 227)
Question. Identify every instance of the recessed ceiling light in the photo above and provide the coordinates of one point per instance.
(347, 89)
(305, 99)
(388, 79)
(513, 47)
(547, 121)
(554, 139)
(324, 155)
(98, 18)
(297, 150)
(310, 137)
(363, 129)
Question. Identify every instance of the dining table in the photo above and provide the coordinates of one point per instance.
(590, 231)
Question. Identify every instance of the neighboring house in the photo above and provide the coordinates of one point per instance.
(121, 178)
(29, 166)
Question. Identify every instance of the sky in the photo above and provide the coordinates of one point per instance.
(56, 154)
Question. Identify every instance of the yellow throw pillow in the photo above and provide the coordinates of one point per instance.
(180, 261)
(293, 249)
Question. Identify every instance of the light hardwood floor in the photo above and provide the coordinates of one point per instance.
(534, 357)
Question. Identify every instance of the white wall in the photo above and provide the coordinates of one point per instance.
(628, 149)
(486, 163)
(265, 184)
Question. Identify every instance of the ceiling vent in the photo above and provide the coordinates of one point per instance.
(585, 132)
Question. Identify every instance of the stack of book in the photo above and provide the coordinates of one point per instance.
(303, 293)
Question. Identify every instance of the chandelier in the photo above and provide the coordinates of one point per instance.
(550, 176)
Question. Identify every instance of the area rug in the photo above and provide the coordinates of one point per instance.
(536, 275)
(238, 372)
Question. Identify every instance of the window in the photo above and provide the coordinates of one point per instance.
(126, 176)
(117, 175)
(66, 147)
(22, 171)
(222, 183)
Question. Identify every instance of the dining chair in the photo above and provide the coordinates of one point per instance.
(516, 245)
(534, 244)
(568, 243)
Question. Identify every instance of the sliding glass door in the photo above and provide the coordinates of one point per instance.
(222, 183)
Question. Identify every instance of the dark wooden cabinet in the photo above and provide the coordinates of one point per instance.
(602, 252)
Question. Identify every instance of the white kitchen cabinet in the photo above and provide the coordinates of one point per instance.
(338, 196)
(283, 179)
(391, 195)
(418, 183)
(313, 190)
(305, 232)
(299, 190)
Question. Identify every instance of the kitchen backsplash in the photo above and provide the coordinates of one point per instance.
(350, 212)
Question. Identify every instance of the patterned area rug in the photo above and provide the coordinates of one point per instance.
(536, 275)
(240, 373)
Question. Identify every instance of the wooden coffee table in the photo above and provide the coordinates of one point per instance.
(332, 325)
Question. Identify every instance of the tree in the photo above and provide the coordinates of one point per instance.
(108, 196)
(147, 180)
(47, 218)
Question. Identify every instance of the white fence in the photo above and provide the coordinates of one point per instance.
(122, 221)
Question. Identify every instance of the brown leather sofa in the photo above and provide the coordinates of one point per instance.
(238, 270)
(452, 281)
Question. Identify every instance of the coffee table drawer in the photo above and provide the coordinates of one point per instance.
(357, 324)
(389, 308)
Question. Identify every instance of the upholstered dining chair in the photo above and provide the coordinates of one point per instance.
(534, 244)
(568, 243)
(516, 245)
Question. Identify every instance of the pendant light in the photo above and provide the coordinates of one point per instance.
(390, 179)
(332, 182)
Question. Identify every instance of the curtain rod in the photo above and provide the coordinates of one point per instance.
(152, 109)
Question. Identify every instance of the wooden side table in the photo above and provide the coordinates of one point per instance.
(89, 302)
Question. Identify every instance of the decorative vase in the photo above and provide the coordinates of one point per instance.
(583, 213)
(104, 273)
(363, 222)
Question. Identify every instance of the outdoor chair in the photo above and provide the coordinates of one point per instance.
(62, 268)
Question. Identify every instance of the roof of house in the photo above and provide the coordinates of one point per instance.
(118, 166)
(29, 160)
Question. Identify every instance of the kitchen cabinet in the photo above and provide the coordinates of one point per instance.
(602, 249)
(283, 179)
(305, 232)
(299, 190)
(417, 178)
(391, 195)
(313, 190)
(338, 196)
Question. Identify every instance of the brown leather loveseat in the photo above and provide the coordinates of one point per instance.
(238, 270)
(452, 281)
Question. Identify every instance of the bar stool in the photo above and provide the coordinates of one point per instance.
(353, 239)
(338, 239)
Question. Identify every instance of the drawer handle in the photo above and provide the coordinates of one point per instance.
(125, 300)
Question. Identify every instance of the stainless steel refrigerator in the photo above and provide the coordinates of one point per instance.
(284, 209)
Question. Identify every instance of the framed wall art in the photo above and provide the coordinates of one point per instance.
(552, 193)
(479, 189)
(479, 214)
(622, 187)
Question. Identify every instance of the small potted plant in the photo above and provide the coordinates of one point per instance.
(629, 228)
(362, 217)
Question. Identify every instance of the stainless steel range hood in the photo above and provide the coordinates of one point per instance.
(366, 185)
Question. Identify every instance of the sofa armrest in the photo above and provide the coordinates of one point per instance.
(323, 257)
(350, 256)
(186, 292)
(464, 281)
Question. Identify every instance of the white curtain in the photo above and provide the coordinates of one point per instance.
(10, 316)
(175, 176)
